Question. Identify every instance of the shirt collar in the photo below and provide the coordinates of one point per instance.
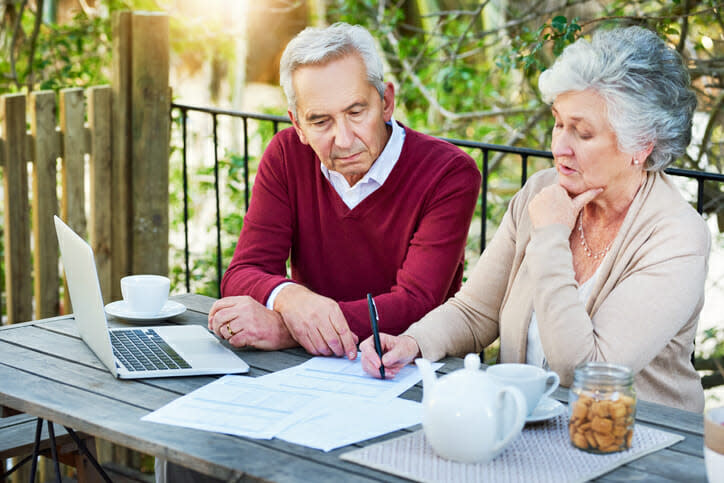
(381, 168)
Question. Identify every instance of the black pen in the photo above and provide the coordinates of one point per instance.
(375, 332)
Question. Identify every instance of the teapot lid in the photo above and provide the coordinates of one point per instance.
(472, 362)
(469, 373)
(469, 383)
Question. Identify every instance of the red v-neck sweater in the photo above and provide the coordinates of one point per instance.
(404, 243)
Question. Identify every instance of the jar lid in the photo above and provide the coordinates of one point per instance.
(604, 372)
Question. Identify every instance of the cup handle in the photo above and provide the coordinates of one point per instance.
(520, 411)
(552, 382)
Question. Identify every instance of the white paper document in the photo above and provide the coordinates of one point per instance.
(323, 403)
(238, 405)
(350, 420)
(340, 376)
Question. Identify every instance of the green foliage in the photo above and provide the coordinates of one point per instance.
(74, 54)
(531, 56)
(711, 361)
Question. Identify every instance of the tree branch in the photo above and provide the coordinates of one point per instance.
(684, 29)
(33, 41)
(473, 19)
(449, 115)
(648, 18)
(519, 134)
(17, 30)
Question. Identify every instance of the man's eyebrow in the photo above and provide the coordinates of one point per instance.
(356, 105)
(315, 117)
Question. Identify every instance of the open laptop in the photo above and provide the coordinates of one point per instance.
(136, 352)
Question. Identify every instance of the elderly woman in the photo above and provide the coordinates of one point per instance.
(599, 258)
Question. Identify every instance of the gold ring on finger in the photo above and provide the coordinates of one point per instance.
(230, 330)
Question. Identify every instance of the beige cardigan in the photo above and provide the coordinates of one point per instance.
(642, 312)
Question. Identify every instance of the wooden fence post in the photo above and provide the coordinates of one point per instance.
(101, 208)
(45, 203)
(150, 125)
(72, 116)
(121, 188)
(18, 280)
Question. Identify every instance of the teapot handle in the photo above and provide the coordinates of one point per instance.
(511, 430)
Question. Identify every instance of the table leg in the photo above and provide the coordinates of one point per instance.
(36, 448)
(87, 454)
(54, 451)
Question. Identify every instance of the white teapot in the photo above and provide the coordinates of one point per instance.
(467, 416)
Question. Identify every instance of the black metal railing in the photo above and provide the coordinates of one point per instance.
(485, 149)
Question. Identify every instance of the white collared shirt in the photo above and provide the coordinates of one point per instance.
(373, 179)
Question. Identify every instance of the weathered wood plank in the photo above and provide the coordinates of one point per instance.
(73, 168)
(626, 474)
(45, 203)
(19, 286)
(218, 455)
(149, 132)
(101, 201)
(693, 444)
(72, 119)
(667, 464)
(121, 187)
(98, 381)
(199, 303)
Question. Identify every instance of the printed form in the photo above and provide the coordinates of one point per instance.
(323, 403)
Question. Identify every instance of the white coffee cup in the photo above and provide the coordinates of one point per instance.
(534, 382)
(145, 294)
(714, 444)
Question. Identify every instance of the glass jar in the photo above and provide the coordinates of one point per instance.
(601, 407)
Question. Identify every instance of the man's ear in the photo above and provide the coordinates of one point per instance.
(297, 128)
(388, 101)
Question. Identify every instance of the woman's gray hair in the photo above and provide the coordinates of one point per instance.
(643, 82)
(317, 46)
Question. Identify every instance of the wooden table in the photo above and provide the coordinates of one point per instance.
(47, 371)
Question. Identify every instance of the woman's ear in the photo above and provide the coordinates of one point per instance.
(640, 157)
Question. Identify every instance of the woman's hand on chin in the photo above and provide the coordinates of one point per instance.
(553, 205)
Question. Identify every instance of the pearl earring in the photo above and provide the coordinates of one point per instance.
(636, 161)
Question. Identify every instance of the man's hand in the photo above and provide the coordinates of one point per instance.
(315, 322)
(398, 351)
(244, 322)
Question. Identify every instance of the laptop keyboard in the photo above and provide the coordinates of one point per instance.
(145, 350)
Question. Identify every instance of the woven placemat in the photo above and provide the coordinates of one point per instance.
(541, 453)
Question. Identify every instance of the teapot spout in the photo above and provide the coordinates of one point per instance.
(428, 374)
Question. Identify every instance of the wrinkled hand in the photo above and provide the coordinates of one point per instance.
(552, 205)
(398, 351)
(244, 322)
(316, 322)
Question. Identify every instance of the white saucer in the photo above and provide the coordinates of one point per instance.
(121, 310)
(547, 408)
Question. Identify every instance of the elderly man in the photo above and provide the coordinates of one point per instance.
(357, 202)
